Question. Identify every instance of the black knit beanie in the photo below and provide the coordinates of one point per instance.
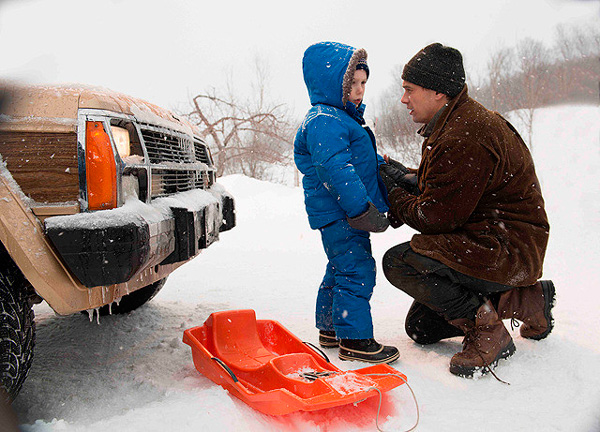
(437, 67)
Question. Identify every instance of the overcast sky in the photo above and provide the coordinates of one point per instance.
(167, 51)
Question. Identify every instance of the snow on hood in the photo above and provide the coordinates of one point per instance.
(328, 69)
(38, 106)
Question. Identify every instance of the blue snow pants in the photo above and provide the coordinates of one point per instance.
(343, 298)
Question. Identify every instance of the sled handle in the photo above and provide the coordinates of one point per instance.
(229, 371)
(317, 349)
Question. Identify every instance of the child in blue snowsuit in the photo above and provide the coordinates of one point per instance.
(344, 197)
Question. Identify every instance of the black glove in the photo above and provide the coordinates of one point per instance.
(397, 165)
(390, 177)
(410, 184)
(372, 220)
(394, 175)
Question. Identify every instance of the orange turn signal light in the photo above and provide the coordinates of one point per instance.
(100, 168)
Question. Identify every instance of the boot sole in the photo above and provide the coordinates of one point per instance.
(329, 344)
(356, 357)
(328, 341)
(468, 372)
(549, 292)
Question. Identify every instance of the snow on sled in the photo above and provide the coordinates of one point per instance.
(267, 367)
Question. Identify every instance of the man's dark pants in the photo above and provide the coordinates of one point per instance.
(441, 294)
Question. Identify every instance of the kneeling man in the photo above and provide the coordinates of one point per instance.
(477, 204)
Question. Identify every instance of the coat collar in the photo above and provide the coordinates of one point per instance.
(357, 113)
(427, 129)
(443, 118)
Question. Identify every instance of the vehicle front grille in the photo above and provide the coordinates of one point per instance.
(167, 182)
(178, 162)
(163, 146)
(166, 145)
(201, 151)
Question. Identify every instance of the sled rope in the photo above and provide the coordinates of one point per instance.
(381, 398)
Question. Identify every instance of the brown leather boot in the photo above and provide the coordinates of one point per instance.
(533, 306)
(486, 341)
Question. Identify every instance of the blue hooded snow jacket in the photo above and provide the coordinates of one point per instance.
(333, 148)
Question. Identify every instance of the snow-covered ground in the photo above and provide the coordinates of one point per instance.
(133, 373)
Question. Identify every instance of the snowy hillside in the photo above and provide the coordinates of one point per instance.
(133, 373)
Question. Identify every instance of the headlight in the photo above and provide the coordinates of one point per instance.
(121, 137)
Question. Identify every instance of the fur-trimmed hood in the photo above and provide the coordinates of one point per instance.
(328, 69)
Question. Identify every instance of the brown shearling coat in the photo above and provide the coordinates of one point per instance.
(481, 210)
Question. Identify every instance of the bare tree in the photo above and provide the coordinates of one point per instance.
(524, 78)
(579, 55)
(584, 41)
(500, 68)
(395, 130)
(565, 50)
(245, 136)
(533, 81)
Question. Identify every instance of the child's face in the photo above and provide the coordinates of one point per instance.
(358, 87)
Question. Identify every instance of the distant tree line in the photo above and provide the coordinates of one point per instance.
(521, 79)
(252, 136)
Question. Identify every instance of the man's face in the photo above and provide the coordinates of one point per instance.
(359, 83)
(422, 103)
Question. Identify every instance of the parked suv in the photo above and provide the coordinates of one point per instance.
(102, 196)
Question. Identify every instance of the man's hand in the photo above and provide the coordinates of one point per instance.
(394, 175)
(391, 176)
(372, 220)
(395, 164)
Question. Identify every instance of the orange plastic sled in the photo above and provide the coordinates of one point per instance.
(270, 369)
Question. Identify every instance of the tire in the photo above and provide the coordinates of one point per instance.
(134, 300)
(17, 326)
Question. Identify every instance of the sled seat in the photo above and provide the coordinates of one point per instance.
(236, 341)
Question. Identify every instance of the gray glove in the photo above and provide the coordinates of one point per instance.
(372, 220)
